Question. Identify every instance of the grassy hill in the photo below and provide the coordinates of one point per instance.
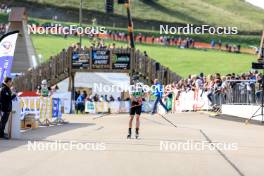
(148, 12)
(214, 12)
(245, 41)
(181, 61)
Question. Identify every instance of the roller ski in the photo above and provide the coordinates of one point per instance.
(129, 134)
(137, 134)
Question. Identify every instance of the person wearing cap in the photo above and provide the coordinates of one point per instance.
(6, 98)
(44, 88)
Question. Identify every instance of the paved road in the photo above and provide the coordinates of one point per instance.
(141, 157)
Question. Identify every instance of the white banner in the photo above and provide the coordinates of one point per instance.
(187, 101)
(7, 50)
(65, 100)
(191, 101)
(29, 105)
(90, 107)
(114, 106)
(40, 107)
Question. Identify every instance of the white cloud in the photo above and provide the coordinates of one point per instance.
(259, 3)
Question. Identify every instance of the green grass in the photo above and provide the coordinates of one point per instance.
(214, 12)
(182, 61)
(243, 40)
(185, 62)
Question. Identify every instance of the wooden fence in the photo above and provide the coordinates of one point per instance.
(59, 67)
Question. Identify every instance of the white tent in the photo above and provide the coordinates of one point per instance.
(118, 81)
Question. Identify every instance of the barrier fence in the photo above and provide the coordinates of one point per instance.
(48, 109)
(44, 109)
(187, 101)
(242, 92)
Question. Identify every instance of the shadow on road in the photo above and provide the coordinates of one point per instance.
(39, 134)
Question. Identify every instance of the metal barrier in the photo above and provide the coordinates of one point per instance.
(242, 92)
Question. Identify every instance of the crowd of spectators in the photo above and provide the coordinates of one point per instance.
(177, 41)
(81, 97)
(99, 44)
(227, 47)
(4, 8)
(4, 27)
(230, 88)
(163, 40)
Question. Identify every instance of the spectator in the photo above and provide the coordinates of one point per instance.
(112, 98)
(77, 94)
(212, 43)
(85, 94)
(106, 98)
(80, 104)
(6, 104)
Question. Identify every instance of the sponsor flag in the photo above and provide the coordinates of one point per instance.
(7, 50)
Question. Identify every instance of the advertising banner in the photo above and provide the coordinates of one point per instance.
(101, 59)
(90, 107)
(7, 50)
(121, 61)
(56, 108)
(80, 60)
(41, 107)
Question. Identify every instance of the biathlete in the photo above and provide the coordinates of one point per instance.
(136, 98)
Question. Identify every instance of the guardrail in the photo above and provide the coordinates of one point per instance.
(241, 92)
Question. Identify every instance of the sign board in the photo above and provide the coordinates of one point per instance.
(56, 107)
(121, 61)
(100, 59)
(80, 60)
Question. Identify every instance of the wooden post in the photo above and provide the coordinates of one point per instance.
(261, 48)
(10, 125)
(71, 78)
(110, 59)
(133, 56)
(130, 25)
(72, 90)
(69, 63)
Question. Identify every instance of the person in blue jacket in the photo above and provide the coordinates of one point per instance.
(80, 103)
(158, 92)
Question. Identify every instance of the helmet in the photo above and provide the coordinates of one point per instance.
(44, 82)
